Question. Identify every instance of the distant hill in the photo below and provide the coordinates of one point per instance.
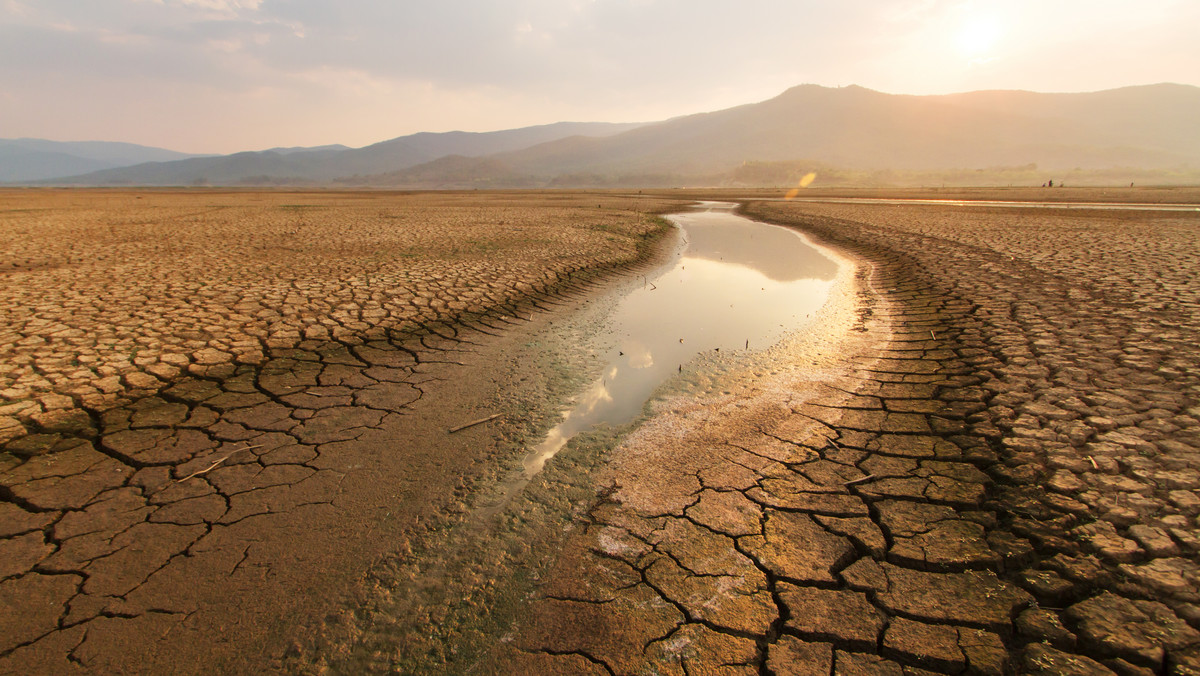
(303, 149)
(1149, 127)
(851, 132)
(31, 159)
(326, 164)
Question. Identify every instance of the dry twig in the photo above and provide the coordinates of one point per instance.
(474, 423)
(859, 480)
(213, 466)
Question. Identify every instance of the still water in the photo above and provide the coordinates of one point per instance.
(736, 285)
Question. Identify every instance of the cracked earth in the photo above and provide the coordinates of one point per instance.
(993, 470)
(985, 460)
(216, 408)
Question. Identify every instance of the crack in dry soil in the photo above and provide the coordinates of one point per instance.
(998, 474)
(990, 467)
(160, 502)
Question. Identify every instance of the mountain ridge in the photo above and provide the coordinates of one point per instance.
(1141, 127)
(30, 159)
(325, 164)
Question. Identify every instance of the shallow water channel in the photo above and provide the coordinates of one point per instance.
(733, 284)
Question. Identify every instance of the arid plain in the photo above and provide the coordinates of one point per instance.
(225, 422)
(179, 365)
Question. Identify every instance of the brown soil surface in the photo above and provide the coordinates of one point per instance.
(1139, 194)
(993, 467)
(218, 409)
(986, 459)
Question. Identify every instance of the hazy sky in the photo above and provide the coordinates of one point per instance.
(228, 75)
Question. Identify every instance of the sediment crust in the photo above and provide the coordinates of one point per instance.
(994, 471)
(985, 460)
(221, 407)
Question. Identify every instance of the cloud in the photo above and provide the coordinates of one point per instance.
(223, 5)
(584, 59)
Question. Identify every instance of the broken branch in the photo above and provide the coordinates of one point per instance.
(859, 480)
(474, 423)
(213, 466)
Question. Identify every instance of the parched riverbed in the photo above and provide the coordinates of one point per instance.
(979, 455)
(218, 408)
(731, 282)
(980, 464)
(730, 289)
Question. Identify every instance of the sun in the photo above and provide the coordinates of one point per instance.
(978, 36)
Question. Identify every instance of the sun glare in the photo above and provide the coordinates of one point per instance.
(978, 36)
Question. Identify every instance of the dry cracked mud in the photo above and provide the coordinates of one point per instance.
(986, 460)
(994, 470)
(217, 408)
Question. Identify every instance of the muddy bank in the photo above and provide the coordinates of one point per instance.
(439, 607)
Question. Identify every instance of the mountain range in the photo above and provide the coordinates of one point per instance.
(32, 159)
(1150, 127)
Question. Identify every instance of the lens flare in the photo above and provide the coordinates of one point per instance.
(804, 183)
